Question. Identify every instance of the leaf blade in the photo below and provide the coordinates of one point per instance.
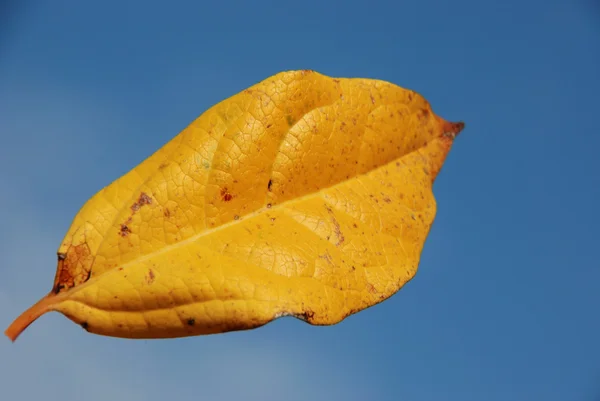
(205, 242)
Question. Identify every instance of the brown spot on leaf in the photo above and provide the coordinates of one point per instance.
(85, 325)
(191, 321)
(167, 213)
(307, 315)
(225, 195)
(124, 231)
(74, 267)
(269, 184)
(150, 277)
(144, 199)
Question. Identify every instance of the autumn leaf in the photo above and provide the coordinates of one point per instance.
(302, 196)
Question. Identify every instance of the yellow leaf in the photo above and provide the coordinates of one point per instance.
(301, 196)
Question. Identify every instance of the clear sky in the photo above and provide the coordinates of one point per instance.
(505, 305)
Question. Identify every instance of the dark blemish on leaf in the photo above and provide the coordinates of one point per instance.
(269, 125)
(268, 205)
(150, 277)
(124, 231)
(236, 217)
(354, 225)
(225, 195)
(307, 315)
(269, 184)
(167, 213)
(162, 166)
(290, 120)
(74, 268)
(85, 326)
(191, 321)
(144, 199)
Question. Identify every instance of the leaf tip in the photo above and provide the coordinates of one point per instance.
(29, 316)
(450, 129)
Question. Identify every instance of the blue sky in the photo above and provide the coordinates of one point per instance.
(505, 303)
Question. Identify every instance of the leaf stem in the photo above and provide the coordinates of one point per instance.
(29, 316)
